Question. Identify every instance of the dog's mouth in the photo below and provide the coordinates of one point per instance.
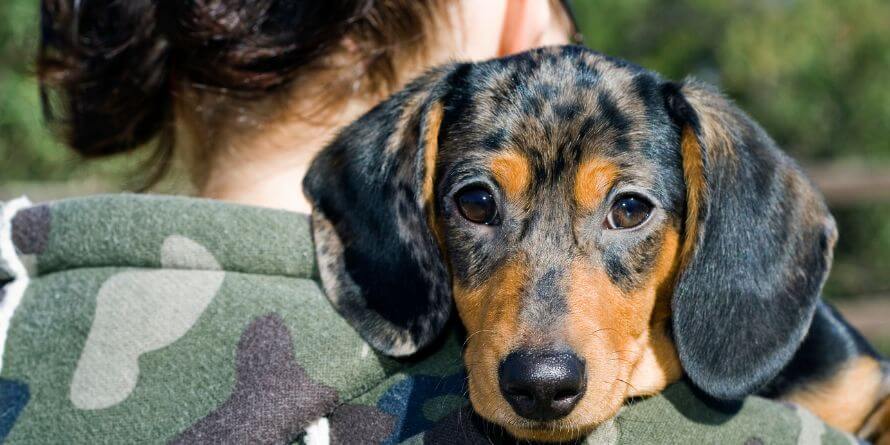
(560, 431)
(517, 430)
(573, 426)
(577, 424)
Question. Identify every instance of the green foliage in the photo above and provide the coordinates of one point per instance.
(28, 151)
(882, 344)
(813, 72)
(861, 260)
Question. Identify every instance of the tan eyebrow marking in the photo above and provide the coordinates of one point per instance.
(511, 170)
(593, 180)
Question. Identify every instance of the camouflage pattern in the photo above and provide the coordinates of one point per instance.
(150, 319)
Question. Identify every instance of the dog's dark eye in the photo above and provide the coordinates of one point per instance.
(628, 211)
(477, 204)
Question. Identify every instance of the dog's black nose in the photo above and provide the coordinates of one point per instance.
(542, 386)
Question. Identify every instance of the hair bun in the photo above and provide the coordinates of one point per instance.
(109, 68)
(256, 45)
(106, 64)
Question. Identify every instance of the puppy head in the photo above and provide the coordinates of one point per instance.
(599, 230)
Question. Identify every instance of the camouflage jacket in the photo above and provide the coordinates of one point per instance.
(138, 319)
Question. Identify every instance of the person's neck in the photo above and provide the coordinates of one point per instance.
(266, 167)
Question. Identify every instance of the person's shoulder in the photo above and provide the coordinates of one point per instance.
(124, 308)
(133, 230)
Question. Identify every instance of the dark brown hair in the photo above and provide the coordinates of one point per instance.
(109, 68)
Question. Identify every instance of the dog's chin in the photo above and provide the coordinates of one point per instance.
(549, 432)
(567, 429)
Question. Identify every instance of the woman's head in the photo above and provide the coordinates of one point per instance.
(213, 76)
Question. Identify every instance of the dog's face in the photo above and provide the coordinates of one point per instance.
(600, 231)
(559, 206)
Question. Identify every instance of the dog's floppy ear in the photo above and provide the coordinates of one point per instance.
(372, 195)
(757, 248)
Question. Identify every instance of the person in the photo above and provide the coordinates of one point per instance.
(247, 92)
(134, 318)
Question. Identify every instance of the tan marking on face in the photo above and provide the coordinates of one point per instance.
(659, 364)
(643, 359)
(490, 313)
(593, 181)
(603, 326)
(623, 339)
(511, 171)
(846, 399)
(694, 175)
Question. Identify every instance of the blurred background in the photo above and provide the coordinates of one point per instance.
(814, 73)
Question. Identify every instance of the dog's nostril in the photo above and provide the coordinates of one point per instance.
(514, 390)
(520, 395)
(542, 385)
(565, 394)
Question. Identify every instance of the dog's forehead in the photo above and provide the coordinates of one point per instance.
(561, 108)
(551, 90)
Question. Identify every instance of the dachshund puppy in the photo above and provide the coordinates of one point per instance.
(601, 231)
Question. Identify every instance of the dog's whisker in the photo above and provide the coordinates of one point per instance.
(479, 331)
(628, 384)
